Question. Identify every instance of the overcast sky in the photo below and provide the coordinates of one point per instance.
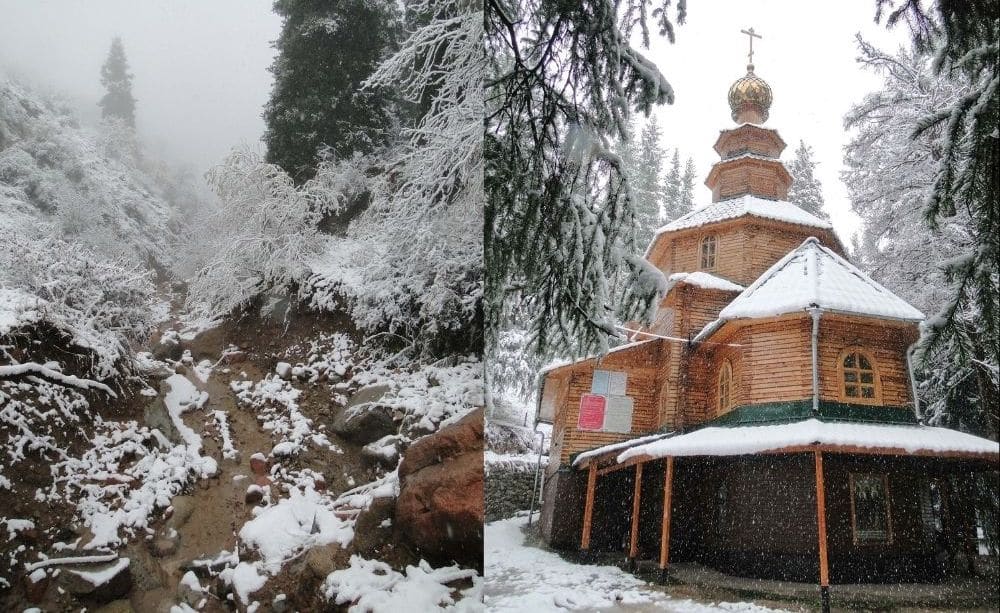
(201, 70)
(200, 66)
(807, 56)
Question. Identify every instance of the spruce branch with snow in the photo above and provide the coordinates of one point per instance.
(563, 81)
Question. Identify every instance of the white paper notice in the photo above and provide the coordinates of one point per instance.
(617, 383)
(618, 414)
(600, 383)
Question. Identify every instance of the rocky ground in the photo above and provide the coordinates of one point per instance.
(276, 465)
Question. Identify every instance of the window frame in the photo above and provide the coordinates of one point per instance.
(725, 373)
(859, 542)
(842, 371)
(704, 262)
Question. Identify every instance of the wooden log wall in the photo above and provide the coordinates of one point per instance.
(745, 247)
(641, 364)
(885, 342)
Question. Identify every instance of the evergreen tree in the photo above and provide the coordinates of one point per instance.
(563, 79)
(118, 102)
(806, 190)
(673, 188)
(687, 188)
(963, 39)
(325, 51)
(647, 193)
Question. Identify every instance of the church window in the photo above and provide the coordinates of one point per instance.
(858, 378)
(870, 521)
(708, 247)
(725, 387)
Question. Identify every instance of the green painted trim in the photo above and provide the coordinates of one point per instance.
(797, 410)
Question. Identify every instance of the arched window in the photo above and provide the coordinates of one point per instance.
(725, 387)
(859, 379)
(708, 247)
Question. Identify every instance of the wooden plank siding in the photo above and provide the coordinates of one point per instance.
(884, 341)
(640, 362)
(746, 247)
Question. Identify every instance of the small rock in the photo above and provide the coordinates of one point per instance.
(371, 530)
(323, 560)
(258, 464)
(262, 481)
(189, 589)
(234, 357)
(279, 604)
(78, 581)
(254, 494)
(319, 483)
(284, 370)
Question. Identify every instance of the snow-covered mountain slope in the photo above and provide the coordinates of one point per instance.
(86, 186)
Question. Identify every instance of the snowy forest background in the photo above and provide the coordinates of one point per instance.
(364, 209)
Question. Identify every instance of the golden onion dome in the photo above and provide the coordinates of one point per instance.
(750, 98)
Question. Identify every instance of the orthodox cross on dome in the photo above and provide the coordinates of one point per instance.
(751, 35)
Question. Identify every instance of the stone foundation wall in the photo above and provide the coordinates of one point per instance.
(508, 490)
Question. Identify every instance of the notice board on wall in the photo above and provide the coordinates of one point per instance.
(607, 408)
(592, 410)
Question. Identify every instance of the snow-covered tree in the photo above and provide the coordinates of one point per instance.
(563, 82)
(806, 190)
(687, 187)
(325, 51)
(890, 176)
(258, 241)
(118, 102)
(643, 163)
(673, 186)
(412, 264)
(964, 42)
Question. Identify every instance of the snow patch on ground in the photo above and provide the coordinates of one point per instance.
(373, 586)
(520, 577)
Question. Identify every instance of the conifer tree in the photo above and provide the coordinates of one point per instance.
(963, 39)
(806, 190)
(673, 187)
(325, 51)
(687, 188)
(645, 182)
(118, 102)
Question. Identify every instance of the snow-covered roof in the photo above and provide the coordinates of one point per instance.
(704, 281)
(779, 210)
(721, 441)
(813, 275)
(599, 451)
(559, 363)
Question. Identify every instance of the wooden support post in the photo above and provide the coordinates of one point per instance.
(668, 486)
(633, 544)
(588, 509)
(824, 568)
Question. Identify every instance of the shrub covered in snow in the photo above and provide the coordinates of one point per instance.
(104, 307)
(258, 241)
(85, 186)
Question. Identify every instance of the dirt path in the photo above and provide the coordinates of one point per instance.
(207, 519)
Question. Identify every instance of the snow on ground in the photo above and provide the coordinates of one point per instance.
(521, 577)
(373, 586)
(184, 396)
(275, 403)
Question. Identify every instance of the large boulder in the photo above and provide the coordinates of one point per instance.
(99, 583)
(440, 505)
(365, 420)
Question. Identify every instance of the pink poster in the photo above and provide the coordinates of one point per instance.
(592, 408)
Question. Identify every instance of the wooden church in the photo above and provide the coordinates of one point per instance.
(765, 424)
